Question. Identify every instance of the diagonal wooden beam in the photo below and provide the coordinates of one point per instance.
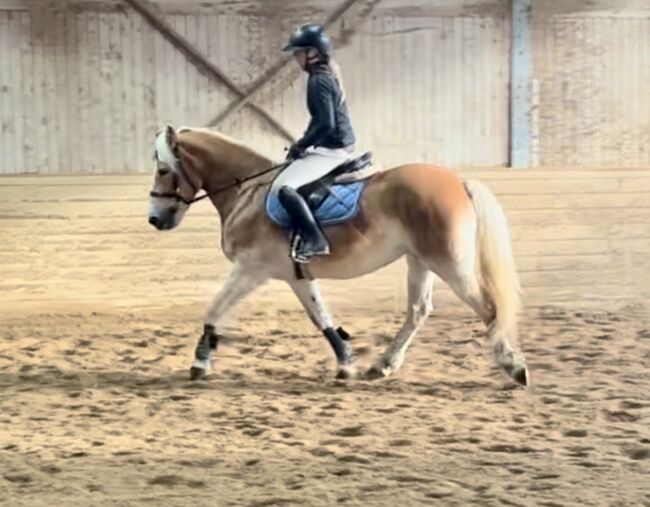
(244, 100)
(201, 62)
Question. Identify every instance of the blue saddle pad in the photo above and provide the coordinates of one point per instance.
(341, 205)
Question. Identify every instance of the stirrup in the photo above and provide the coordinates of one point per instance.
(297, 252)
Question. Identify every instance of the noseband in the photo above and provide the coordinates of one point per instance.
(178, 169)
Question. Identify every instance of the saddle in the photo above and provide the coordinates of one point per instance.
(316, 192)
(331, 201)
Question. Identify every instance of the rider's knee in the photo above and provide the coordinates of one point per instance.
(286, 191)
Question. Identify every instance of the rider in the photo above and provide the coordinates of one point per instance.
(328, 140)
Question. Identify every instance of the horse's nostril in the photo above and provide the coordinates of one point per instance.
(153, 220)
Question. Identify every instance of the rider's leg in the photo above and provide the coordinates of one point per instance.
(314, 241)
(314, 165)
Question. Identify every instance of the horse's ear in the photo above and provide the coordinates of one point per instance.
(170, 136)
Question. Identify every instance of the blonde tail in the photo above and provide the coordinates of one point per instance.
(498, 276)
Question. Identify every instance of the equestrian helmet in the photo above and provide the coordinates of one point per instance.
(310, 36)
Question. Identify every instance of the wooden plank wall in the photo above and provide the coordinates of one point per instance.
(85, 85)
(593, 70)
(580, 235)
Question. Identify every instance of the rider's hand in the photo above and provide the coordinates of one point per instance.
(295, 152)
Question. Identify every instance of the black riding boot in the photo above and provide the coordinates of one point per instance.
(314, 241)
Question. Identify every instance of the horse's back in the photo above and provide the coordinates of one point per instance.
(429, 201)
(422, 185)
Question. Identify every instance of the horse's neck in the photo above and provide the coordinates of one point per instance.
(227, 164)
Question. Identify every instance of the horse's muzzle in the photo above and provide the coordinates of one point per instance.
(163, 222)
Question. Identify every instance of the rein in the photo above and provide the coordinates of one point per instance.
(237, 183)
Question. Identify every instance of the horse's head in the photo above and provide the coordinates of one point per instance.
(175, 181)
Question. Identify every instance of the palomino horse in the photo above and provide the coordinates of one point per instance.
(444, 226)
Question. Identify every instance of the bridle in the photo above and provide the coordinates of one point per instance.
(179, 170)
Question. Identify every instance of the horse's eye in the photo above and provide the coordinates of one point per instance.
(162, 171)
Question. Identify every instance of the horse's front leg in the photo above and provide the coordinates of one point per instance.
(310, 296)
(240, 282)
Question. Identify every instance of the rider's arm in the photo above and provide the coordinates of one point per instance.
(320, 100)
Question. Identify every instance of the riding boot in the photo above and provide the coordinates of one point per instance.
(314, 241)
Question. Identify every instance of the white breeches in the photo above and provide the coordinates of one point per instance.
(316, 163)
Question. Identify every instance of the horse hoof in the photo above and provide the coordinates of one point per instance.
(197, 373)
(376, 372)
(345, 373)
(521, 376)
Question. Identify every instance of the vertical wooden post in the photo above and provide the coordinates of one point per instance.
(521, 85)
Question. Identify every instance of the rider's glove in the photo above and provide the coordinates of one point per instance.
(295, 152)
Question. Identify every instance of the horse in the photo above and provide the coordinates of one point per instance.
(444, 226)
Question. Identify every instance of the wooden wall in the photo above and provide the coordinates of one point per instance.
(592, 69)
(580, 235)
(85, 85)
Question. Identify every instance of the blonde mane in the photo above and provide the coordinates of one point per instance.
(226, 144)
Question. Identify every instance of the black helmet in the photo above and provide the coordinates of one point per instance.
(310, 36)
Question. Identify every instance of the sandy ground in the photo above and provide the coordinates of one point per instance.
(97, 330)
(95, 409)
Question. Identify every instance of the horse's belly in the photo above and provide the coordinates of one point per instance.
(364, 255)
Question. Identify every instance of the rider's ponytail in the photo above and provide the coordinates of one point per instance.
(336, 72)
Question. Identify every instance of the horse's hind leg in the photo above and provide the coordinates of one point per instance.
(420, 304)
(310, 296)
(464, 283)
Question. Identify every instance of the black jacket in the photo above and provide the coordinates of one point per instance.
(330, 125)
